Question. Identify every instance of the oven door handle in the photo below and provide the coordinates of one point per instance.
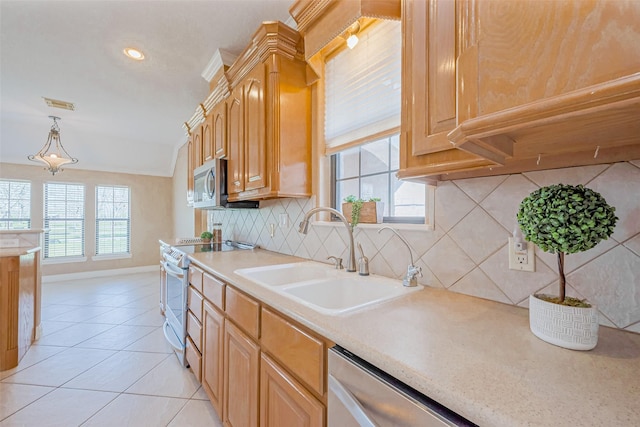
(350, 402)
(171, 337)
(174, 271)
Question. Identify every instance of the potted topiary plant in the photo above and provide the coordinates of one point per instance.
(363, 211)
(206, 236)
(565, 219)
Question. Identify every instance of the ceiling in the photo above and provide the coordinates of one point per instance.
(129, 114)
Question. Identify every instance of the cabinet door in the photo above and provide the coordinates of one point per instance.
(197, 146)
(207, 138)
(429, 90)
(213, 356)
(433, 73)
(235, 165)
(190, 166)
(284, 401)
(255, 130)
(219, 131)
(241, 376)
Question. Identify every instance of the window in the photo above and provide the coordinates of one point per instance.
(64, 218)
(15, 205)
(369, 171)
(362, 124)
(113, 220)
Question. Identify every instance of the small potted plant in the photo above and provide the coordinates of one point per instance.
(565, 219)
(363, 211)
(206, 237)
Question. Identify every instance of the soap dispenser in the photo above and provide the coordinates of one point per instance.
(363, 263)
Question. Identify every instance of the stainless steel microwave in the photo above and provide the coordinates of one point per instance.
(210, 187)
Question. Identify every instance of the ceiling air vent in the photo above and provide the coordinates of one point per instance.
(59, 104)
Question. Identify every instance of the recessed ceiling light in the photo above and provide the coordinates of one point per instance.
(134, 53)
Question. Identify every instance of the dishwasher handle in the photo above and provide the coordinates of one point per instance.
(350, 402)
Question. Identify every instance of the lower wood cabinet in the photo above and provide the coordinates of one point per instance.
(258, 367)
(19, 276)
(213, 359)
(284, 401)
(241, 378)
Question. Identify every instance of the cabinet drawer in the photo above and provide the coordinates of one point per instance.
(194, 330)
(194, 358)
(195, 277)
(302, 353)
(244, 311)
(213, 290)
(194, 302)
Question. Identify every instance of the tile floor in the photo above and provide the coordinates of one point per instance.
(102, 360)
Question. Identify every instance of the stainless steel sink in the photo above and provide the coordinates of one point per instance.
(325, 289)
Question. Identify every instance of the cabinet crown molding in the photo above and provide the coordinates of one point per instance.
(271, 38)
(321, 21)
(220, 60)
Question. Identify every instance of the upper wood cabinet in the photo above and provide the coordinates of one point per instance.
(430, 31)
(214, 133)
(207, 139)
(190, 165)
(235, 120)
(269, 118)
(538, 85)
(219, 130)
(247, 134)
(196, 135)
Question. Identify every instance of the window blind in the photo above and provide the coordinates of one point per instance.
(15, 205)
(64, 218)
(113, 220)
(362, 87)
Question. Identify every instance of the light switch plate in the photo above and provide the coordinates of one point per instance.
(522, 260)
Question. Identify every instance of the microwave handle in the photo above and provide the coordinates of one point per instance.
(206, 184)
(207, 187)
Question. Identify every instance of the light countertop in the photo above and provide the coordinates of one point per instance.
(474, 356)
(27, 231)
(18, 251)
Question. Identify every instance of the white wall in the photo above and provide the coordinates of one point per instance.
(183, 224)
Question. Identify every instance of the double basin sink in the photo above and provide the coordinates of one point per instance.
(325, 289)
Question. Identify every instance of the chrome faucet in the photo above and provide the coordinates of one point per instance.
(413, 271)
(304, 228)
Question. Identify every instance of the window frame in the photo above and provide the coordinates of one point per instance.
(9, 218)
(46, 225)
(113, 219)
(387, 219)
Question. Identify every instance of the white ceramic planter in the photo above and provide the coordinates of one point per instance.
(575, 328)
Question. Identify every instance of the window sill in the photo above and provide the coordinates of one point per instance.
(64, 260)
(107, 257)
(396, 225)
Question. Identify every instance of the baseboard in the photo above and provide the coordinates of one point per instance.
(98, 273)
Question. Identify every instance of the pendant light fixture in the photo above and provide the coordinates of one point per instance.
(53, 156)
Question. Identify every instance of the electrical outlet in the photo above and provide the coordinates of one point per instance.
(521, 259)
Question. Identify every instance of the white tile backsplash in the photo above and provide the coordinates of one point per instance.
(467, 251)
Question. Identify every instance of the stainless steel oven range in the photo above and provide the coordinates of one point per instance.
(176, 281)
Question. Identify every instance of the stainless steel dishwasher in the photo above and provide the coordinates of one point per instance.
(361, 395)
